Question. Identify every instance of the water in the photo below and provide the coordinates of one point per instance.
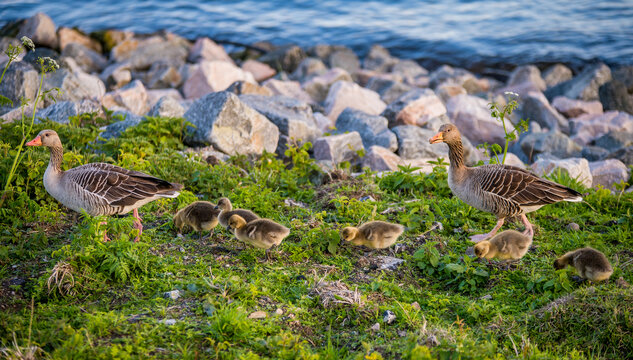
(464, 33)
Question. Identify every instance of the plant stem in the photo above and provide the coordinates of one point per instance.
(5, 68)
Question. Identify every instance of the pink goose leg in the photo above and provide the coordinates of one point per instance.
(137, 225)
(529, 231)
(105, 232)
(480, 237)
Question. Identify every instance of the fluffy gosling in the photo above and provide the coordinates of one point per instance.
(199, 215)
(507, 245)
(374, 234)
(260, 233)
(225, 205)
(589, 263)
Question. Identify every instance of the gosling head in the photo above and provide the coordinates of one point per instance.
(178, 221)
(48, 138)
(349, 233)
(482, 248)
(236, 222)
(448, 133)
(559, 264)
(224, 204)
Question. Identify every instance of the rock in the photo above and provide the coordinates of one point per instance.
(117, 128)
(345, 59)
(486, 297)
(62, 110)
(259, 70)
(286, 58)
(552, 142)
(583, 86)
(388, 316)
(431, 341)
(614, 140)
(166, 49)
(388, 263)
(168, 322)
(5, 41)
(556, 74)
(472, 116)
(323, 123)
(113, 37)
(293, 117)
(213, 76)
(288, 88)
(173, 295)
(257, 315)
(344, 94)
(375, 327)
(409, 69)
(167, 107)
(624, 74)
(593, 153)
(33, 57)
(309, 66)
(373, 129)
(206, 49)
(244, 87)
(339, 148)
(527, 74)
(224, 121)
(379, 59)
(73, 86)
(71, 36)
(449, 74)
(573, 108)
(413, 143)
(436, 122)
(388, 89)
(20, 81)
(608, 173)
(446, 91)
(625, 155)
(163, 75)
(573, 227)
(576, 168)
(87, 59)
(415, 107)
(614, 96)
(318, 86)
(536, 108)
(132, 97)
(154, 95)
(116, 76)
(587, 128)
(41, 29)
(16, 114)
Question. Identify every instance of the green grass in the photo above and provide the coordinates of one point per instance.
(105, 300)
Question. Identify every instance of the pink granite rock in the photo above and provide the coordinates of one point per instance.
(259, 70)
(588, 127)
(154, 95)
(573, 108)
(213, 76)
(206, 49)
(318, 86)
(41, 29)
(288, 88)
(576, 168)
(344, 94)
(608, 173)
(415, 107)
(69, 36)
(132, 97)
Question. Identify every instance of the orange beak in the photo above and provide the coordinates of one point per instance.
(35, 142)
(436, 139)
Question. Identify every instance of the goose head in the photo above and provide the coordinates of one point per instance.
(559, 264)
(48, 138)
(224, 204)
(349, 233)
(236, 222)
(482, 248)
(448, 134)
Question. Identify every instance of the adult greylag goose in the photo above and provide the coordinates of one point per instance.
(99, 188)
(502, 190)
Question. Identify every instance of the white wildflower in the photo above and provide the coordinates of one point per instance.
(511, 93)
(27, 43)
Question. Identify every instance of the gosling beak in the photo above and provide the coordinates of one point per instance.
(436, 139)
(35, 142)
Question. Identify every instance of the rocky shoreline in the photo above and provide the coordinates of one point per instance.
(376, 112)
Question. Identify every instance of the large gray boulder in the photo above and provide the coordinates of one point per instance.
(294, 118)
(413, 142)
(344, 94)
(73, 86)
(614, 140)
(41, 29)
(536, 108)
(572, 108)
(583, 86)
(415, 107)
(344, 58)
(372, 128)
(117, 128)
(88, 59)
(552, 142)
(557, 74)
(379, 59)
(624, 154)
(224, 121)
(339, 148)
(589, 127)
(388, 89)
(615, 96)
(576, 168)
(167, 106)
(141, 54)
(20, 81)
(62, 110)
(287, 58)
(608, 173)
(527, 74)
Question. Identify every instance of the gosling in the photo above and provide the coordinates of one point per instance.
(374, 234)
(508, 245)
(260, 233)
(199, 215)
(225, 205)
(590, 263)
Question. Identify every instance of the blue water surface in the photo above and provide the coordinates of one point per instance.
(458, 32)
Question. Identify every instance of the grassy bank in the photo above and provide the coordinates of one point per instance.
(66, 294)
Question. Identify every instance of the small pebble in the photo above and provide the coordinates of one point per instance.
(174, 294)
(486, 297)
(169, 322)
(431, 341)
(402, 333)
(257, 315)
(573, 227)
(388, 316)
(375, 327)
(367, 198)
(415, 305)
(279, 311)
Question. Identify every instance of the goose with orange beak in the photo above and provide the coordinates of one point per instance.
(499, 189)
